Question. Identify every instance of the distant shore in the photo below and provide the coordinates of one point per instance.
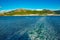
(24, 12)
(35, 15)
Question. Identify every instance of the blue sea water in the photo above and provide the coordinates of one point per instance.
(29, 27)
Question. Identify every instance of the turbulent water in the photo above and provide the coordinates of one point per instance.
(30, 28)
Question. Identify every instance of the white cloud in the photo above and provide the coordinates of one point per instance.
(38, 9)
(2, 11)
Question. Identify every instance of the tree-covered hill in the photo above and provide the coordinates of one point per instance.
(58, 11)
(29, 12)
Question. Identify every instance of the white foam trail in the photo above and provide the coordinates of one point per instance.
(43, 31)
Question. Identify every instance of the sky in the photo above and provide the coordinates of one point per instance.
(29, 4)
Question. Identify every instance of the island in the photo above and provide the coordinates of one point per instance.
(27, 12)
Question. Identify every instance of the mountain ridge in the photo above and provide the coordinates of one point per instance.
(29, 11)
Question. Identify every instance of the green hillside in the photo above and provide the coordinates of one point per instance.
(29, 12)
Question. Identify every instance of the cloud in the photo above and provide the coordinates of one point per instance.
(38, 9)
(2, 11)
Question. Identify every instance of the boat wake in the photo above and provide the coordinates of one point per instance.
(43, 31)
(30, 28)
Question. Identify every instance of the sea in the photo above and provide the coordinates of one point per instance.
(29, 27)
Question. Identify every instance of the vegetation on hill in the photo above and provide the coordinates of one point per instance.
(58, 11)
(28, 12)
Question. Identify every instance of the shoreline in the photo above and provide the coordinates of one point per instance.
(35, 15)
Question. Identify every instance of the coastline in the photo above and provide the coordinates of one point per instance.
(35, 15)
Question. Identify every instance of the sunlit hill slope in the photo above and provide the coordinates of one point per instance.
(26, 12)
